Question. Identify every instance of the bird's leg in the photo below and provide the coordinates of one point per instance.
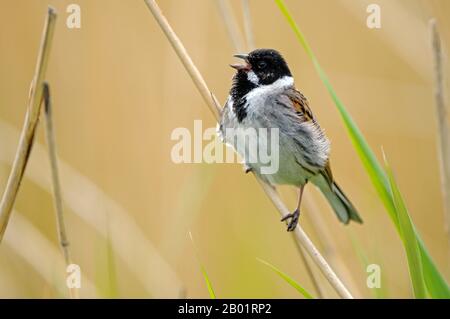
(296, 214)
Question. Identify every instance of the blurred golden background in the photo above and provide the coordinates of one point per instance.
(119, 91)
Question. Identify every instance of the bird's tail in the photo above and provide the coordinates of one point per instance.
(341, 205)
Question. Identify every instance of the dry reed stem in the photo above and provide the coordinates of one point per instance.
(31, 119)
(442, 121)
(315, 281)
(306, 243)
(213, 105)
(56, 185)
(231, 25)
(248, 25)
(193, 72)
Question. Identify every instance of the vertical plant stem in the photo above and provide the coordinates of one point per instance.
(248, 25)
(56, 185)
(271, 193)
(31, 120)
(442, 122)
(231, 25)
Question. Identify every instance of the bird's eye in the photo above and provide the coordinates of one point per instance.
(262, 64)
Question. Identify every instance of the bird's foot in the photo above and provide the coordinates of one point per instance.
(293, 219)
(247, 168)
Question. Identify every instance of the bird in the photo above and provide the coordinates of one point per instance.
(263, 96)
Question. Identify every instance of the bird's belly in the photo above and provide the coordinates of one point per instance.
(289, 172)
(285, 167)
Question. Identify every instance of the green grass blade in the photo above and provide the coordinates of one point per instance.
(288, 279)
(409, 238)
(211, 292)
(435, 282)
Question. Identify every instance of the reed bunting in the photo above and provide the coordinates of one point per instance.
(263, 95)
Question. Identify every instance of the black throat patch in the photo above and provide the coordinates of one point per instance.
(241, 86)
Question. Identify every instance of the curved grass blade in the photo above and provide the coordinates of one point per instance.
(434, 281)
(408, 236)
(288, 279)
(211, 292)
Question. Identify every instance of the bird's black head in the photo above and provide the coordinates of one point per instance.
(262, 67)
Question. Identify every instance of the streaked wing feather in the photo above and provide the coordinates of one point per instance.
(300, 104)
(301, 107)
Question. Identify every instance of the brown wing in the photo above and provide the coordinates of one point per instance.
(301, 104)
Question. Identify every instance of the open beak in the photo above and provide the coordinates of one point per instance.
(244, 67)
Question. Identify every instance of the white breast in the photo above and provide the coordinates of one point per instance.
(259, 95)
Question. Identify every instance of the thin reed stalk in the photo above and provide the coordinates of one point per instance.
(271, 192)
(230, 23)
(315, 281)
(31, 120)
(248, 29)
(442, 122)
(306, 243)
(56, 185)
